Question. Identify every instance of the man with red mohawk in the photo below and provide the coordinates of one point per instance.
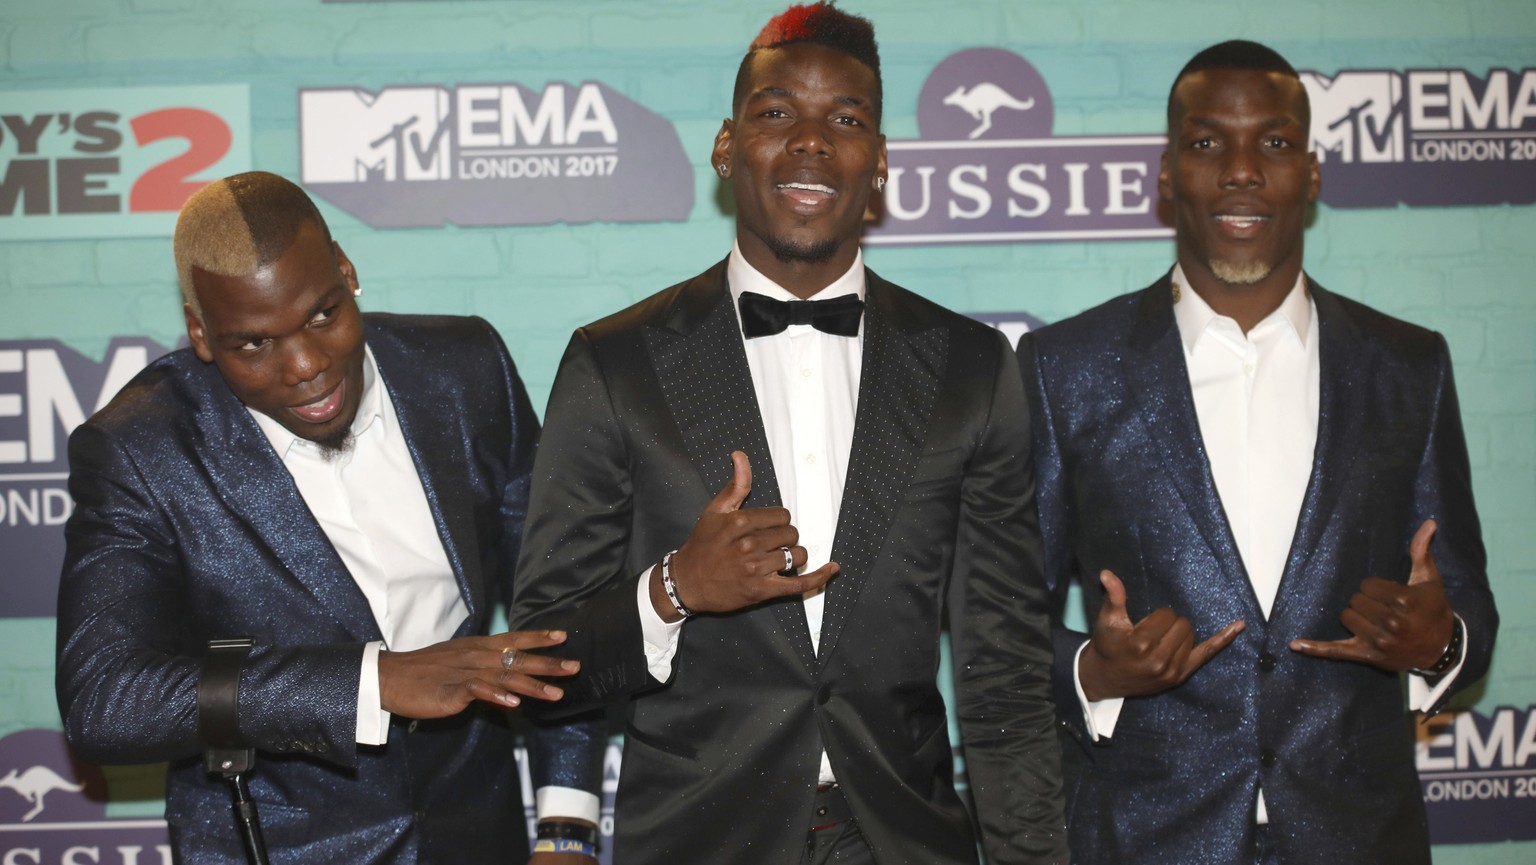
(758, 494)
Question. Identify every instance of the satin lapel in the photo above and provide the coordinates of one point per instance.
(255, 486)
(904, 361)
(437, 448)
(1343, 369)
(1158, 376)
(702, 370)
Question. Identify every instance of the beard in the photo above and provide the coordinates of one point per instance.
(1240, 273)
(336, 445)
(790, 252)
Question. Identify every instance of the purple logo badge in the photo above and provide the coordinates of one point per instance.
(987, 169)
(53, 809)
(492, 154)
(46, 390)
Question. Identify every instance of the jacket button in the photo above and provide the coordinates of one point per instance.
(1267, 758)
(822, 811)
(823, 694)
(1266, 663)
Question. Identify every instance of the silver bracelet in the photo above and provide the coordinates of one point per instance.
(671, 587)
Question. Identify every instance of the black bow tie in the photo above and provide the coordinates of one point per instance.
(764, 316)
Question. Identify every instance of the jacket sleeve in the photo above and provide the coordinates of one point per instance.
(1057, 524)
(1443, 492)
(572, 572)
(1002, 640)
(129, 647)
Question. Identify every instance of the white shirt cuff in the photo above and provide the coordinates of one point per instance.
(372, 720)
(1100, 717)
(567, 802)
(1421, 694)
(660, 636)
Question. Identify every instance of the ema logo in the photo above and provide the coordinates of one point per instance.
(492, 154)
(53, 810)
(986, 168)
(46, 390)
(114, 162)
(1425, 136)
(1478, 774)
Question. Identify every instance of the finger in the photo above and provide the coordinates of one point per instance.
(1424, 568)
(1208, 649)
(1380, 604)
(489, 693)
(1370, 633)
(778, 586)
(521, 640)
(736, 489)
(542, 665)
(1339, 650)
(528, 686)
(1113, 610)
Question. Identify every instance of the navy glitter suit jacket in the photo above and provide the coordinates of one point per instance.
(1125, 485)
(187, 527)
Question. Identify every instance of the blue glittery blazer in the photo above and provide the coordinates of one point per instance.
(720, 764)
(1124, 484)
(187, 528)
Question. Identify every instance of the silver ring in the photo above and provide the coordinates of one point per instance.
(789, 559)
(508, 658)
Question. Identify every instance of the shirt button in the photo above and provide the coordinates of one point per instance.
(810, 459)
(1248, 369)
(805, 373)
(411, 727)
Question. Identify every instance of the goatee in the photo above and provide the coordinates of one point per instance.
(1240, 273)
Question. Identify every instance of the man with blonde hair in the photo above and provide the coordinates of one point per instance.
(346, 490)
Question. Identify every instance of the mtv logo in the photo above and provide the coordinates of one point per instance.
(348, 135)
(1357, 116)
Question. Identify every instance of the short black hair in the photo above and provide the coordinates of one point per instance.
(817, 24)
(1238, 54)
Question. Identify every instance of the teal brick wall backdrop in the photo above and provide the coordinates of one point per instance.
(1467, 271)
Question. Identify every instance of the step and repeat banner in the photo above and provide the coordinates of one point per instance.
(544, 163)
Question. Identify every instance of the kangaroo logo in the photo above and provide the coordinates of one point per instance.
(34, 784)
(983, 99)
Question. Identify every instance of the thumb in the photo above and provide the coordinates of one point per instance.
(1113, 609)
(1424, 568)
(736, 489)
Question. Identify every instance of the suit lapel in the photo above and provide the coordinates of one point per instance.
(1156, 370)
(904, 359)
(1342, 369)
(702, 370)
(437, 449)
(255, 485)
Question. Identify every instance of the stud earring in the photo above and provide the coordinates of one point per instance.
(880, 184)
(724, 169)
(357, 292)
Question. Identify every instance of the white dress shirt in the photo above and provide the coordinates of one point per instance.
(807, 386)
(370, 503)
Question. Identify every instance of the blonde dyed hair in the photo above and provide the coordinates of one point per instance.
(238, 225)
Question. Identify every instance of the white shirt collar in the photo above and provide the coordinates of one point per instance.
(742, 276)
(1194, 316)
(370, 410)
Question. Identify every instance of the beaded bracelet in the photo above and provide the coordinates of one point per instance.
(670, 587)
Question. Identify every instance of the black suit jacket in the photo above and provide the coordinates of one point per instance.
(720, 763)
(187, 527)
(1125, 485)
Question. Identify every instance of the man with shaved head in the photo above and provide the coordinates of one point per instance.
(347, 491)
(1264, 490)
